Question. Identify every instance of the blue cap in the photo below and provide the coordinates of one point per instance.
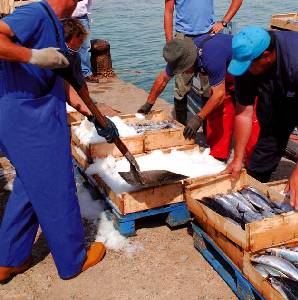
(248, 44)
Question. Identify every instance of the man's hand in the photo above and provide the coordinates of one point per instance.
(110, 132)
(292, 188)
(145, 108)
(234, 168)
(217, 27)
(48, 58)
(192, 127)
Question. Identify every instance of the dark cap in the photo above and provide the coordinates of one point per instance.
(180, 55)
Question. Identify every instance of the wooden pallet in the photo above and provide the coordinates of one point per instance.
(256, 235)
(149, 141)
(242, 288)
(287, 21)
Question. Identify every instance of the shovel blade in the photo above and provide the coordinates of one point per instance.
(152, 178)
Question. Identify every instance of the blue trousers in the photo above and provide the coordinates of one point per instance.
(84, 51)
(35, 137)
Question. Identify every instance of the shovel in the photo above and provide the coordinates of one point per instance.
(135, 176)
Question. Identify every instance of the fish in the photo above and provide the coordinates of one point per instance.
(244, 200)
(291, 256)
(250, 216)
(222, 207)
(294, 249)
(284, 207)
(292, 284)
(235, 215)
(282, 289)
(278, 263)
(255, 200)
(150, 125)
(270, 272)
(235, 201)
(268, 213)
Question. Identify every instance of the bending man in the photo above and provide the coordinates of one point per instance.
(265, 65)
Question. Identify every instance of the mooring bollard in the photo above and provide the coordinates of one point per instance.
(101, 61)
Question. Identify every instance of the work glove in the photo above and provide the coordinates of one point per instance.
(192, 127)
(145, 108)
(110, 132)
(48, 58)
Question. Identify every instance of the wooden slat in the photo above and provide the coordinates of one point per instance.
(153, 197)
(232, 250)
(283, 21)
(135, 145)
(273, 231)
(166, 138)
(278, 185)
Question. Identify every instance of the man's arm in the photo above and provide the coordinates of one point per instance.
(234, 7)
(43, 58)
(9, 51)
(292, 188)
(75, 100)
(157, 88)
(242, 132)
(217, 97)
(168, 19)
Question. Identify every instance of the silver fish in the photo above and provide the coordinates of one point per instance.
(284, 207)
(229, 207)
(255, 200)
(250, 216)
(268, 213)
(279, 287)
(241, 206)
(279, 264)
(244, 200)
(294, 249)
(268, 271)
(287, 254)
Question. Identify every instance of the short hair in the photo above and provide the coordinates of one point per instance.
(73, 28)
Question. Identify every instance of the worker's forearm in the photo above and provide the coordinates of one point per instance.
(234, 7)
(243, 127)
(168, 19)
(158, 86)
(213, 102)
(9, 51)
(75, 101)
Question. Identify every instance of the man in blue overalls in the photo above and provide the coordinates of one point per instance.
(34, 136)
(265, 64)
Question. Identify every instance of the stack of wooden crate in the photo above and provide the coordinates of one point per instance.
(128, 204)
(287, 21)
(238, 244)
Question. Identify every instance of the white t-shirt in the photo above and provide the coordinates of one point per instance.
(83, 8)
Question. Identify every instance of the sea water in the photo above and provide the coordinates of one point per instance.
(135, 31)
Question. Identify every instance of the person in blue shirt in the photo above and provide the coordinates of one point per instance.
(265, 64)
(35, 137)
(209, 55)
(193, 19)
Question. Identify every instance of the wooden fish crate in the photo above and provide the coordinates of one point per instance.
(7, 172)
(150, 140)
(144, 199)
(278, 185)
(287, 21)
(74, 118)
(257, 280)
(256, 235)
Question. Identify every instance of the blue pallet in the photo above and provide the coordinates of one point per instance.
(242, 288)
(177, 214)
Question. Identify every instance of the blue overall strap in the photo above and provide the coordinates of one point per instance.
(200, 51)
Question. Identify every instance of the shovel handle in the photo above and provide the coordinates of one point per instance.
(100, 118)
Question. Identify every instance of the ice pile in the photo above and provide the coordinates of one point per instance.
(106, 233)
(191, 163)
(87, 133)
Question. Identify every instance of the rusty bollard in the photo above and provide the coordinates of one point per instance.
(101, 61)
